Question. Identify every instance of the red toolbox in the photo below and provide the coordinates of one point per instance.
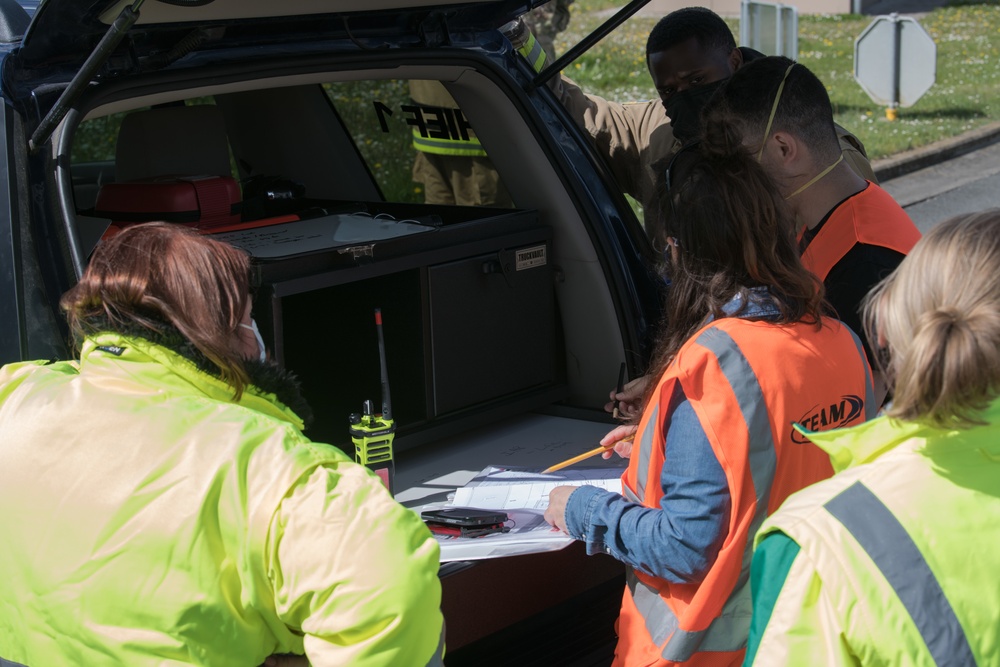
(202, 202)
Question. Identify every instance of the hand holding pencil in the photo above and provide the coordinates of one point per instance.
(618, 440)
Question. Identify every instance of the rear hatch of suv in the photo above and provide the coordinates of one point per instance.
(516, 310)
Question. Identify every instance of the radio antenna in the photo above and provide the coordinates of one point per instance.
(386, 399)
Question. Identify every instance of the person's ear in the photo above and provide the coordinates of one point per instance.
(788, 148)
(735, 59)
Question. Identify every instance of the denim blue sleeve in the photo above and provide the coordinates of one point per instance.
(679, 540)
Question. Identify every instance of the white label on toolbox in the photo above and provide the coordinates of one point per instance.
(530, 257)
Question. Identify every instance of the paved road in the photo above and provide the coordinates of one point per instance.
(964, 184)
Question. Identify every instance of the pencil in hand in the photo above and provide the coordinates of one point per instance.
(620, 388)
(587, 455)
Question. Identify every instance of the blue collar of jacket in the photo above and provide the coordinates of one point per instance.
(752, 303)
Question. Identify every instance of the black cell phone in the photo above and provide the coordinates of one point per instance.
(464, 516)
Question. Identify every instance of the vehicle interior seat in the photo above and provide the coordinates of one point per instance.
(172, 163)
(172, 141)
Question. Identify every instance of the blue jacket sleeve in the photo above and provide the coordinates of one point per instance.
(677, 541)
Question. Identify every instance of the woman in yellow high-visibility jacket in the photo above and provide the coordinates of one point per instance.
(893, 561)
(161, 504)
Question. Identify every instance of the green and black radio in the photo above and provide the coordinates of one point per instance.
(371, 433)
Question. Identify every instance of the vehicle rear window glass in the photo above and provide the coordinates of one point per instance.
(417, 143)
(95, 139)
(413, 145)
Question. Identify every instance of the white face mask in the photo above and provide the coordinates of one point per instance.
(260, 341)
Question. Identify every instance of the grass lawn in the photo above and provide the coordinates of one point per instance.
(966, 94)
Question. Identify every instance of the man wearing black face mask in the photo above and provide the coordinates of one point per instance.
(689, 52)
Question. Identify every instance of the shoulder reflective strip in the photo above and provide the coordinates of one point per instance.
(437, 660)
(899, 560)
(533, 52)
(870, 408)
(753, 407)
(645, 451)
(10, 663)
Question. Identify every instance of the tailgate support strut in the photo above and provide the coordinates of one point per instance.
(97, 58)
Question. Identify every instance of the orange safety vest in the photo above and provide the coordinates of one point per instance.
(871, 217)
(747, 382)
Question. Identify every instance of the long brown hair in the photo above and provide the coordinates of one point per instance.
(733, 233)
(157, 274)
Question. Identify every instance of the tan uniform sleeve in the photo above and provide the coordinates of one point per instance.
(620, 132)
(355, 572)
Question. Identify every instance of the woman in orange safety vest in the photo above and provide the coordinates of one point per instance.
(745, 354)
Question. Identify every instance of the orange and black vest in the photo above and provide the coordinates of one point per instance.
(871, 217)
(747, 382)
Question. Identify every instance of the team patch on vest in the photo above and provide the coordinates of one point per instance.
(842, 413)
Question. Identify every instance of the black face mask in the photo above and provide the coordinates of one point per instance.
(684, 109)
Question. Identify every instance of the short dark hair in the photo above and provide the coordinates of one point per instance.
(745, 100)
(681, 25)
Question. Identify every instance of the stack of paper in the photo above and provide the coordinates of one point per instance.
(524, 494)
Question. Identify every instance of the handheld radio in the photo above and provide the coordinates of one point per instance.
(371, 433)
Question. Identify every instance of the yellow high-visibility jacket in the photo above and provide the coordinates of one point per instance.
(893, 561)
(148, 518)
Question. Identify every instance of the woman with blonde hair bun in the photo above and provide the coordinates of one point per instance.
(879, 565)
(939, 316)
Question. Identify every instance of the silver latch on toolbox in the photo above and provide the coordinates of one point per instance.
(359, 251)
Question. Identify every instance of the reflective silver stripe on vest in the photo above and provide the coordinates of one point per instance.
(746, 388)
(899, 560)
(729, 631)
(629, 496)
(870, 408)
(645, 451)
(661, 622)
(10, 663)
